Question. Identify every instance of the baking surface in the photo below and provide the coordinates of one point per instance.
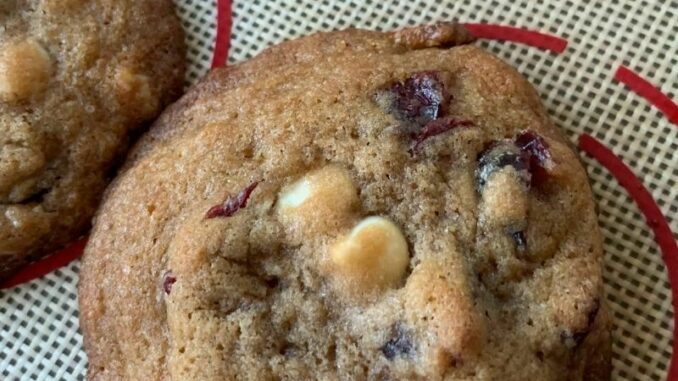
(591, 64)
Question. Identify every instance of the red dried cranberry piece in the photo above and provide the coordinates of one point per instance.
(421, 98)
(528, 151)
(437, 127)
(168, 281)
(399, 345)
(530, 142)
(528, 154)
(500, 154)
(232, 204)
(576, 338)
(520, 240)
(421, 101)
(539, 155)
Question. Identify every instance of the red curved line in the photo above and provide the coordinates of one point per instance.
(521, 35)
(222, 41)
(645, 89)
(653, 215)
(46, 265)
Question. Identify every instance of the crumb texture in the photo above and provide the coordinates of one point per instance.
(76, 77)
(416, 216)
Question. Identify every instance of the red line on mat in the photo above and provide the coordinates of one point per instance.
(222, 41)
(521, 35)
(655, 220)
(46, 265)
(645, 89)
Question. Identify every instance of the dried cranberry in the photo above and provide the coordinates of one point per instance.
(421, 101)
(399, 345)
(528, 154)
(538, 153)
(232, 204)
(437, 127)
(576, 338)
(520, 240)
(500, 154)
(421, 98)
(168, 281)
(272, 281)
(531, 142)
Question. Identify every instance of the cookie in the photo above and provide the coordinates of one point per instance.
(76, 77)
(351, 205)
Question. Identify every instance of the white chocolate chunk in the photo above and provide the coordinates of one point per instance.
(21, 161)
(319, 202)
(373, 255)
(24, 70)
(296, 195)
(135, 94)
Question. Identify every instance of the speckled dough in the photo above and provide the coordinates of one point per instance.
(350, 206)
(76, 76)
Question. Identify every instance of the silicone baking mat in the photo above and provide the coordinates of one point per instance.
(607, 72)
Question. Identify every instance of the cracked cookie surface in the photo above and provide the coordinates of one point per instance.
(350, 206)
(76, 77)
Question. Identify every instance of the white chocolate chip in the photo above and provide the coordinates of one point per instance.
(321, 201)
(24, 217)
(22, 160)
(24, 70)
(296, 194)
(14, 217)
(134, 93)
(373, 255)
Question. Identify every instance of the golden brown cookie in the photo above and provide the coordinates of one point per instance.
(76, 77)
(350, 206)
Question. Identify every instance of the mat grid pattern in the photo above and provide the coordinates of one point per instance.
(39, 339)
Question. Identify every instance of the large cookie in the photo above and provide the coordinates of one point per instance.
(76, 77)
(348, 206)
